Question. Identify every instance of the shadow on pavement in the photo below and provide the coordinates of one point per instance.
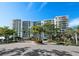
(76, 51)
(36, 52)
(17, 51)
(39, 52)
(61, 53)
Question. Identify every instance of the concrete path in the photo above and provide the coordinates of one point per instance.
(30, 48)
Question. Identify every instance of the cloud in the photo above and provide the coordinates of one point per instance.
(74, 22)
(29, 5)
(42, 5)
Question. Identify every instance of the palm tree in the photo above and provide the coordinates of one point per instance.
(37, 30)
(49, 29)
(77, 34)
(70, 35)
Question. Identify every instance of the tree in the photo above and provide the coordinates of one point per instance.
(77, 34)
(48, 29)
(77, 29)
(69, 35)
(69, 31)
(37, 30)
(6, 32)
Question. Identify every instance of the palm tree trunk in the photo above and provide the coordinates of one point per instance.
(6, 38)
(76, 39)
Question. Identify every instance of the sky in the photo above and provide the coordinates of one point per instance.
(38, 11)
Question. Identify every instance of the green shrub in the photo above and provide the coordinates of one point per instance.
(45, 39)
(38, 41)
(49, 40)
(33, 39)
(64, 42)
(60, 43)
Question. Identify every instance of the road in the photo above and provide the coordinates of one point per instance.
(30, 48)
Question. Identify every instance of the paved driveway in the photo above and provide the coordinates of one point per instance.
(32, 49)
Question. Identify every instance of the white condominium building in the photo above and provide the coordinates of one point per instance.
(17, 27)
(61, 22)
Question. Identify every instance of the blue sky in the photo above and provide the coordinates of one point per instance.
(38, 11)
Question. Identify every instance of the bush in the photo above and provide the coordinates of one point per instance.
(53, 41)
(49, 40)
(61, 43)
(65, 42)
(38, 41)
(45, 39)
(33, 39)
(68, 42)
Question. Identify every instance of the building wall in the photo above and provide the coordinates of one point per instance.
(23, 28)
(61, 22)
(17, 27)
(26, 29)
(36, 23)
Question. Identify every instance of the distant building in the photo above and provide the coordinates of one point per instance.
(46, 21)
(22, 28)
(25, 29)
(31, 24)
(17, 27)
(35, 23)
(42, 22)
(61, 22)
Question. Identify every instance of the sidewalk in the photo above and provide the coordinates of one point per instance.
(32, 49)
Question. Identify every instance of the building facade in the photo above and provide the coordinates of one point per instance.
(25, 29)
(17, 27)
(61, 22)
(35, 23)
